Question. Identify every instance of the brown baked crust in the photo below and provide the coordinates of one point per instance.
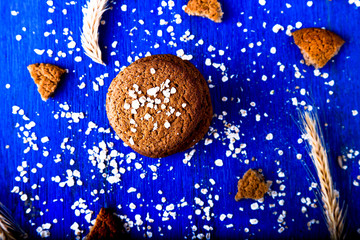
(46, 77)
(189, 90)
(317, 45)
(206, 112)
(204, 124)
(252, 185)
(205, 8)
(107, 227)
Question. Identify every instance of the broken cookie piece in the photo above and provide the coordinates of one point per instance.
(107, 226)
(46, 77)
(252, 186)
(205, 8)
(317, 45)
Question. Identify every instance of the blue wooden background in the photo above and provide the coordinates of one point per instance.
(260, 85)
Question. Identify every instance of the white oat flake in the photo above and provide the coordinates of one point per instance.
(167, 125)
(219, 162)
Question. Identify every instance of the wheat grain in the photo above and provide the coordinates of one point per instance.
(9, 230)
(93, 11)
(334, 215)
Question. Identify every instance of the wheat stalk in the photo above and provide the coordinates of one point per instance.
(93, 11)
(334, 215)
(9, 230)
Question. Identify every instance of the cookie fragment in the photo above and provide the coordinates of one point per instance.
(205, 8)
(46, 77)
(317, 45)
(107, 226)
(252, 185)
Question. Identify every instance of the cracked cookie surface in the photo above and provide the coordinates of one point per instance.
(46, 77)
(252, 185)
(210, 9)
(107, 226)
(317, 45)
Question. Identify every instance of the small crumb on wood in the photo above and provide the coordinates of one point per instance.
(46, 77)
(210, 9)
(252, 185)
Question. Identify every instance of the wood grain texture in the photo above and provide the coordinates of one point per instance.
(273, 99)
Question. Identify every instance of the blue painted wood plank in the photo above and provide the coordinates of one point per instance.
(257, 88)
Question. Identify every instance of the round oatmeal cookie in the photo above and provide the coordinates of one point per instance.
(158, 104)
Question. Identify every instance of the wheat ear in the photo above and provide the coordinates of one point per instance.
(93, 11)
(9, 229)
(334, 215)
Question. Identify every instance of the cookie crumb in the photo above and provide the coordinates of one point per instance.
(46, 77)
(252, 186)
(107, 226)
(317, 45)
(205, 8)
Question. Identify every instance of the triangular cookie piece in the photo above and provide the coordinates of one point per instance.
(205, 8)
(107, 227)
(317, 45)
(46, 77)
(252, 185)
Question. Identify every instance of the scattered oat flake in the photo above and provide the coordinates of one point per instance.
(39, 52)
(219, 163)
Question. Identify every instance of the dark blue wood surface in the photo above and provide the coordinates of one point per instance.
(261, 85)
